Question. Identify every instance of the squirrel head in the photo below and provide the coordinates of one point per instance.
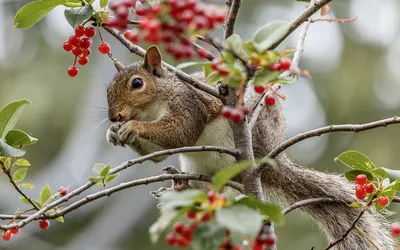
(134, 88)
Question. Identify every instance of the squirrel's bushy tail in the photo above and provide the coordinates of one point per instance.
(289, 183)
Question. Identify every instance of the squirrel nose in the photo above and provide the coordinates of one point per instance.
(116, 118)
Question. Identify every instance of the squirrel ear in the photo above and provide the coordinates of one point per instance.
(152, 61)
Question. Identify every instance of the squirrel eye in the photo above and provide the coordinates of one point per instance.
(137, 83)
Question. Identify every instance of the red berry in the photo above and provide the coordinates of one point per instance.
(211, 196)
(361, 193)
(7, 235)
(77, 51)
(201, 22)
(227, 112)
(245, 110)
(79, 31)
(270, 240)
(219, 18)
(238, 247)
(122, 12)
(171, 239)
(269, 100)
(90, 32)
(187, 233)
(370, 188)
(206, 217)
(141, 11)
(85, 43)
(83, 61)
(67, 46)
(182, 241)
(202, 53)
(104, 48)
(383, 201)
(395, 229)
(74, 40)
(179, 227)
(215, 63)
(14, 230)
(43, 224)
(275, 67)
(285, 63)
(191, 214)
(156, 9)
(86, 52)
(237, 116)
(361, 179)
(259, 89)
(73, 71)
(256, 246)
(167, 37)
(223, 72)
(193, 226)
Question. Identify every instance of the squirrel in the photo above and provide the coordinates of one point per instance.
(151, 109)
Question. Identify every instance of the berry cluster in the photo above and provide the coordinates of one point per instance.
(170, 22)
(263, 240)
(7, 235)
(121, 9)
(363, 188)
(182, 236)
(79, 44)
(235, 114)
(283, 64)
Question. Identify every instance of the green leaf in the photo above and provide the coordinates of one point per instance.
(355, 204)
(186, 198)
(98, 167)
(352, 174)
(105, 171)
(234, 42)
(22, 163)
(111, 177)
(249, 47)
(226, 174)
(213, 77)
(395, 185)
(27, 185)
(381, 173)
(45, 194)
(208, 236)
(24, 200)
(94, 179)
(265, 76)
(192, 64)
(240, 219)
(274, 212)
(20, 174)
(33, 12)
(17, 137)
(7, 150)
(38, 204)
(103, 3)
(77, 15)
(9, 116)
(356, 160)
(207, 70)
(392, 174)
(166, 218)
(60, 219)
(270, 33)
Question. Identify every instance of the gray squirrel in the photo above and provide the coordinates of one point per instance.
(152, 109)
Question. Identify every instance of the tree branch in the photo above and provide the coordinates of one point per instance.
(307, 13)
(324, 130)
(231, 18)
(182, 75)
(122, 186)
(308, 202)
(117, 169)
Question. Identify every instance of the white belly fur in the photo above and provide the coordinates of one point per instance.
(216, 133)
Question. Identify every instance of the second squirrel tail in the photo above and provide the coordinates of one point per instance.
(288, 183)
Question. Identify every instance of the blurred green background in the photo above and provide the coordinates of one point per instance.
(355, 72)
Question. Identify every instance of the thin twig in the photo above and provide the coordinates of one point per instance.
(324, 130)
(182, 75)
(231, 18)
(307, 13)
(332, 244)
(310, 202)
(367, 237)
(334, 20)
(15, 185)
(119, 168)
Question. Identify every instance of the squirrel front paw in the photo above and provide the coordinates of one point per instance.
(112, 134)
(127, 133)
